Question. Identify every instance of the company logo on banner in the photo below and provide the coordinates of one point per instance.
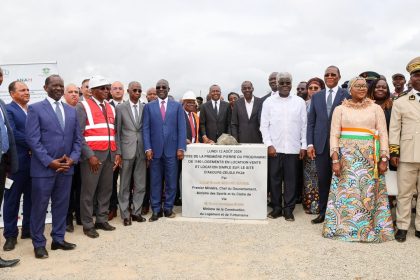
(32, 74)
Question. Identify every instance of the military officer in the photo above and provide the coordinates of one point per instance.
(404, 140)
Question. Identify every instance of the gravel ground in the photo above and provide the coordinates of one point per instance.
(183, 248)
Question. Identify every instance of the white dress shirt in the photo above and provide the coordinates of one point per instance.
(53, 105)
(334, 93)
(274, 93)
(166, 102)
(249, 106)
(283, 123)
(135, 109)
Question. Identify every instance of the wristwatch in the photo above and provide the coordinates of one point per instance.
(384, 159)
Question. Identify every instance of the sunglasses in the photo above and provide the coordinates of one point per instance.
(104, 88)
(161, 87)
(313, 88)
(136, 90)
(330, 75)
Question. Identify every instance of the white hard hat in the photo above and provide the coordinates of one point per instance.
(97, 81)
(189, 95)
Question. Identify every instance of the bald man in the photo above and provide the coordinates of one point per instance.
(71, 95)
(151, 94)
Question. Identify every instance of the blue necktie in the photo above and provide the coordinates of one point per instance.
(4, 137)
(59, 114)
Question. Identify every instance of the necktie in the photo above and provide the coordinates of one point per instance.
(192, 125)
(4, 137)
(59, 114)
(136, 113)
(104, 111)
(162, 109)
(329, 101)
(215, 107)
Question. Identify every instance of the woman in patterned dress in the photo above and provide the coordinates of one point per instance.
(310, 201)
(358, 207)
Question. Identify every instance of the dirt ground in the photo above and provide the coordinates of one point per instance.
(183, 248)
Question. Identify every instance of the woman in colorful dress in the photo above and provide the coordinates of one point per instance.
(358, 207)
(310, 201)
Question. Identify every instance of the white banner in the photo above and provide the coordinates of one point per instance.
(32, 74)
(228, 182)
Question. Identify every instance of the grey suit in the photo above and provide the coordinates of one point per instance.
(244, 129)
(99, 183)
(130, 146)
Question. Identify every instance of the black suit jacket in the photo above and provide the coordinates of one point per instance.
(244, 129)
(189, 134)
(213, 125)
(319, 123)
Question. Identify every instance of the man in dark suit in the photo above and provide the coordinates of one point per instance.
(214, 116)
(246, 116)
(16, 112)
(8, 158)
(272, 82)
(53, 135)
(164, 144)
(318, 133)
(129, 127)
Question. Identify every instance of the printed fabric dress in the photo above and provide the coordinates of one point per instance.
(358, 206)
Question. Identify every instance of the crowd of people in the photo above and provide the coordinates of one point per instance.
(328, 148)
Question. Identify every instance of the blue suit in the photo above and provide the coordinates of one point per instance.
(21, 178)
(318, 134)
(48, 141)
(164, 138)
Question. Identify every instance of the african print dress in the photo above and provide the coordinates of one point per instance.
(358, 206)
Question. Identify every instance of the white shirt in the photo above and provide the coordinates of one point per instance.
(274, 93)
(53, 105)
(134, 109)
(334, 93)
(217, 104)
(249, 107)
(166, 102)
(283, 123)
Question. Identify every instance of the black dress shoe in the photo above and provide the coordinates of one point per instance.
(275, 214)
(169, 214)
(318, 220)
(127, 222)
(401, 235)
(91, 232)
(155, 216)
(63, 246)
(78, 221)
(178, 202)
(25, 235)
(10, 244)
(8, 263)
(289, 217)
(138, 218)
(70, 227)
(417, 233)
(41, 253)
(104, 226)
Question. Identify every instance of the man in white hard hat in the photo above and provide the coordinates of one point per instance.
(98, 160)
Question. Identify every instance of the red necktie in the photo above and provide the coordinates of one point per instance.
(192, 125)
(162, 109)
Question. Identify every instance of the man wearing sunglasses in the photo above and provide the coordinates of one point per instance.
(322, 107)
(98, 159)
(164, 132)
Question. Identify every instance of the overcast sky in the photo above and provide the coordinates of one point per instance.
(194, 44)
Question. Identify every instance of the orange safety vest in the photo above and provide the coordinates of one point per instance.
(98, 133)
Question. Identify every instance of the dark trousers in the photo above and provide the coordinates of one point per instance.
(146, 199)
(12, 196)
(167, 168)
(324, 172)
(74, 202)
(58, 189)
(283, 169)
(113, 201)
(300, 184)
(2, 177)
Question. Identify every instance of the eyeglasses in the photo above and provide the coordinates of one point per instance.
(330, 75)
(285, 83)
(313, 88)
(104, 88)
(136, 90)
(160, 87)
(360, 87)
(117, 88)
